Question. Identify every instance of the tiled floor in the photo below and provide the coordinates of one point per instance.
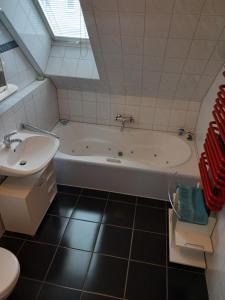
(95, 245)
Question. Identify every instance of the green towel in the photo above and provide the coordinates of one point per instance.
(191, 206)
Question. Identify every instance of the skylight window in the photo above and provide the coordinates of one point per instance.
(64, 18)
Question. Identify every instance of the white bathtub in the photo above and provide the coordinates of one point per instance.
(134, 161)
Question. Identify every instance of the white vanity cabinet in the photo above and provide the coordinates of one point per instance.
(25, 200)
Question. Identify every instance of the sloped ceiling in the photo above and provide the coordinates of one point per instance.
(170, 49)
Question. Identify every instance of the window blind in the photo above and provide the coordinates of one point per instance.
(65, 18)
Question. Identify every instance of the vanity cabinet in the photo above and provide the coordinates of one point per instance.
(25, 200)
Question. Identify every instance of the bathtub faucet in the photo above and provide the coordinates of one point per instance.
(124, 120)
(189, 134)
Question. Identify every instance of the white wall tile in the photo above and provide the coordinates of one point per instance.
(168, 85)
(188, 6)
(159, 6)
(132, 25)
(102, 5)
(177, 118)
(132, 6)
(155, 46)
(147, 115)
(103, 111)
(210, 27)
(173, 65)
(178, 48)
(132, 45)
(107, 23)
(214, 7)
(157, 26)
(162, 116)
(201, 49)
(76, 107)
(194, 66)
(213, 67)
(186, 28)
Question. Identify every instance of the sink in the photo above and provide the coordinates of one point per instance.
(28, 157)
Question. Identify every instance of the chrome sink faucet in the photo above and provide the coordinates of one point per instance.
(124, 120)
(7, 141)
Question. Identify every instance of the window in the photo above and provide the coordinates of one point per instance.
(64, 18)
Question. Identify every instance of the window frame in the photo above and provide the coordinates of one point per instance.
(75, 41)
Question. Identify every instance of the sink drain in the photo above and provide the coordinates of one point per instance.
(23, 162)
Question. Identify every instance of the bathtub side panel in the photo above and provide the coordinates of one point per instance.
(115, 179)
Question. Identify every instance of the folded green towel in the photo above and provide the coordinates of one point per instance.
(191, 206)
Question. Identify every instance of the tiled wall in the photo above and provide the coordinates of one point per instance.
(148, 112)
(166, 49)
(156, 60)
(30, 105)
(70, 61)
(28, 24)
(16, 67)
(215, 273)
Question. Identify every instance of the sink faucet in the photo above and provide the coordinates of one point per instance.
(7, 141)
(124, 120)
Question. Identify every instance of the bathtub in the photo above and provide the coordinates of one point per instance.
(132, 161)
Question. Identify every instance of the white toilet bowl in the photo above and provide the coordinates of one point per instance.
(9, 272)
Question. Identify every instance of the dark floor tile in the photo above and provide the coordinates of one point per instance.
(152, 202)
(25, 289)
(122, 197)
(34, 259)
(95, 193)
(51, 229)
(120, 214)
(89, 209)
(146, 282)
(17, 235)
(58, 293)
(106, 275)
(63, 205)
(69, 189)
(113, 241)
(185, 268)
(151, 219)
(12, 244)
(186, 285)
(80, 235)
(69, 268)
(87, 296)
(149, 247)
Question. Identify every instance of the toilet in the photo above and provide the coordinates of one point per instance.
(9, 272)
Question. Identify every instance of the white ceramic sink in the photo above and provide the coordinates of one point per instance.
(28, 157)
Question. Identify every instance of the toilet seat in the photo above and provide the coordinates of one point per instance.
(9, 272)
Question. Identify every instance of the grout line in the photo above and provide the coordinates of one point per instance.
(20, 248)
(129, 258)
(151, 232)
(100, 294)
(104, 224)
(88, 268)
(148, 263)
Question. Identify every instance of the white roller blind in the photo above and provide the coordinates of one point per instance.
(65, 18)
